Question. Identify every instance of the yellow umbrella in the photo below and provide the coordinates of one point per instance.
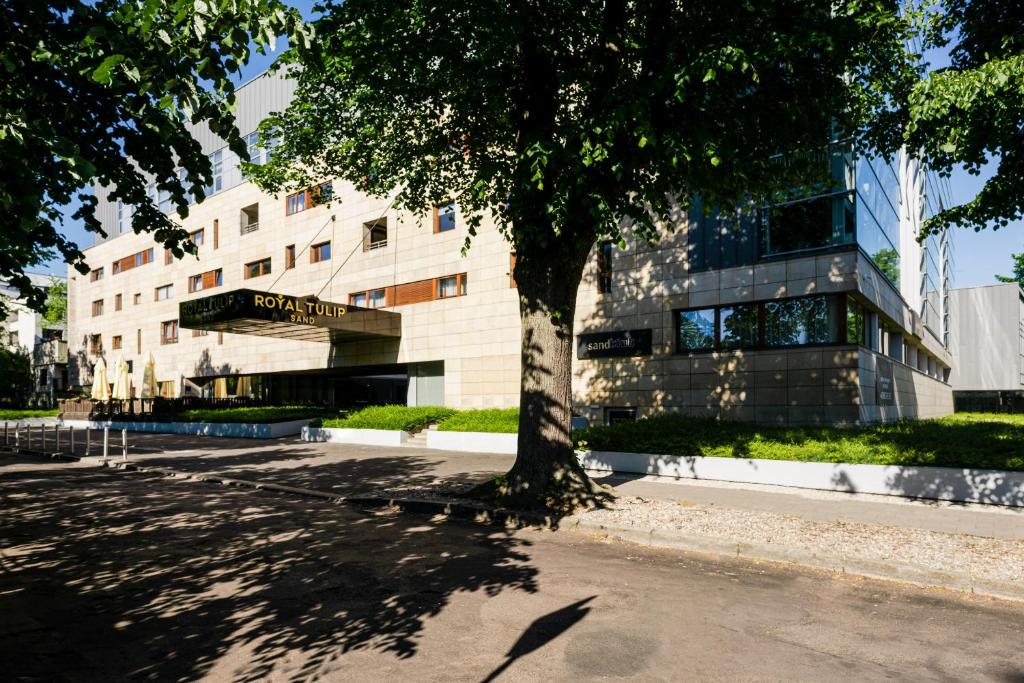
(244, 386)
(100, 388)
(122, 384)
(149, 388)
(220, 387)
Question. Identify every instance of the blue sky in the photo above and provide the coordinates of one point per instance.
(978, 256)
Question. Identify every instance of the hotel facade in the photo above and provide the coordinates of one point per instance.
(824, 310)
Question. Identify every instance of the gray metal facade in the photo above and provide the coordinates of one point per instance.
(987, 338)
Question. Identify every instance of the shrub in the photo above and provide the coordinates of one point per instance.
(405, 418)
(498, 420)
(262, 414)
(13, 415)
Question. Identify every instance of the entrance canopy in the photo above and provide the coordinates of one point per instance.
(245, 311)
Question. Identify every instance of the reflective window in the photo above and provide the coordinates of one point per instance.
(737, 325)
(808, 320)
(696, 329)
(446, 217)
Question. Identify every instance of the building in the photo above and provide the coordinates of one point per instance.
(44, 341)
(987, 338)
(821, 310)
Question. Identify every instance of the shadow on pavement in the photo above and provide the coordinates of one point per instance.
(112, 577)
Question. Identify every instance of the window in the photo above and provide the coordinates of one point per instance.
(696, 329)
(856, 323)
(138, 341)
(137, 259)
(169, 332)
(207, 280)
(737, 325)
(144, 257)
(117, 302)
(373, 298)
(95, 344)
(807, 320)
(123, 218)
(168, 257)
(249, 218)
(294, 203)
(375, 235)
(137, 298)
(444, 217)
(96, 274)
(115, 342)
(216, 233)
(197, 237)
(289, 257)
(164, 292)
(604, 267)
(453, 285)
(252, 146)
(97, 307)
(257, 268)
(320, 252)
(200, 333)
(217, 166)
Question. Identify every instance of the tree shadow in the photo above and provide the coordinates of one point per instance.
(169, 583)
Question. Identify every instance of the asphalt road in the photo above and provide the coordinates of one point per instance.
(109, 576)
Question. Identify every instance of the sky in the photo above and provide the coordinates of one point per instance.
(978, 256)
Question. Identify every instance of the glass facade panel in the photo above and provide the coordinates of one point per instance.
(696, 329)
(738, 326)
(808, 320)
(856, 323)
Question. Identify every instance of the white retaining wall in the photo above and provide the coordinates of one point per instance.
(995, 487)
(473, 442)
(366, 437)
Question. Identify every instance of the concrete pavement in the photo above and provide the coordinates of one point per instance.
(106, 577)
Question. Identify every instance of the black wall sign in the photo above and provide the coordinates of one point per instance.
(885, 387)
(614, 344)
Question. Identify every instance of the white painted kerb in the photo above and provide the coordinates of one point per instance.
(995, 487)
(366, 437)
(473, 442)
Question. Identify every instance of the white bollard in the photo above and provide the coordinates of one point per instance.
(88, 440)
(17, 438)
(106, 442)
(124, 444)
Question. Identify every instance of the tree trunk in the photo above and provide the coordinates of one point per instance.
(546, 473)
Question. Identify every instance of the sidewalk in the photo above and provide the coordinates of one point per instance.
(969, 547)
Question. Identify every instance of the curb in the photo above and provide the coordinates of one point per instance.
(763, 552)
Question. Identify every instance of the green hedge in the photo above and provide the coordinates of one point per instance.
(13, 415)
(251, 415)
(501, 420)
(405, 418)
(987, 441)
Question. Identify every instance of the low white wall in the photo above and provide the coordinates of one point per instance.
(240, 430)
(473, 442)
(366, 437)
(995, 487)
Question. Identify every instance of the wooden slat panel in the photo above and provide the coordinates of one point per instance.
(414, 292)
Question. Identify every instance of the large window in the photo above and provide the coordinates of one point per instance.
(164, 292)
(217, 165)
(97, 307)
(454, 285)
(856, 323)
(96, 274)
(307, 199)
(320, 252)
(738, 326)
(375, 235)
(803, 321)
(169, 332)
(373, 298)
(696, 329)
(207, 280)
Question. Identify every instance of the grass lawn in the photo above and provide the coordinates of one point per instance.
(500, 420)
(13, 415)
(977, 440)
(257, 415)
(405, 418)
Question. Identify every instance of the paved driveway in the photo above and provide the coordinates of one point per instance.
(107, 577)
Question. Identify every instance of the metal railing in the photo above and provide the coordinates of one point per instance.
(250, 227)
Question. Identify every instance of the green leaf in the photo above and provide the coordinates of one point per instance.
(103, 73)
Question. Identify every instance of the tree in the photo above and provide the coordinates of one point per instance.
(972, 113)
(15, 372)
(1018, 270)
(56, 302)
(102, 92)
(568, 122)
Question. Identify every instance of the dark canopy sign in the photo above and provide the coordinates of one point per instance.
(245, 311)
(614, 344)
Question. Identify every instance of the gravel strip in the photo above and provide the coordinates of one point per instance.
(980, 557)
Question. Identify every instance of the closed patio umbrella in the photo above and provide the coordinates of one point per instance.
(122, 383)
(149, 378)
(244, 386)
(100, 388)
(220, 387)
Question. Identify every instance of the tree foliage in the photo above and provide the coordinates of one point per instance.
(1018, 270)
(102, 92)
(56, 302)
(566, 122)
(971, 113)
